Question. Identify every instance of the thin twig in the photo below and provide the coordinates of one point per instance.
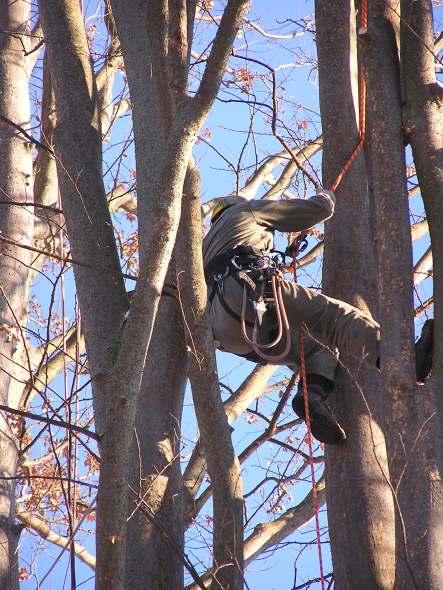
(52, 421)
(29, 137)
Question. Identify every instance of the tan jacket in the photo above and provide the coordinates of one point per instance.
(253, 224)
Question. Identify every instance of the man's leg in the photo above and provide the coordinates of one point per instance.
(321, 365)
(328, 324)
(332, 323)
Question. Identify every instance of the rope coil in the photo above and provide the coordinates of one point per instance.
(282, 323)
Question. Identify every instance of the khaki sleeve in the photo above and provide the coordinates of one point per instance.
(296, 214)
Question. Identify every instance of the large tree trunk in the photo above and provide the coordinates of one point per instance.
(115, 363)
(155, 531)
(423, 488)
(97, 272)
(16, 225)
(222, 462)
(406, 423)
(412, 416)
(360, 506)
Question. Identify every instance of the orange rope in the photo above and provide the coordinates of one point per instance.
(344, 170)
(311, 458)
(361, 104)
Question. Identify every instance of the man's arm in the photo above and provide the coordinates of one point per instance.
(296, 214)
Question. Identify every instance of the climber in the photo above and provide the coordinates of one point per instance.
(241, 237)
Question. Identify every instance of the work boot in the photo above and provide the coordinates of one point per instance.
(424, 350)
(324, 425)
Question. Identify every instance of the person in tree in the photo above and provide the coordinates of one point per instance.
(236, 255)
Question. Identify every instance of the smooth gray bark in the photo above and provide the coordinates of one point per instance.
(16, 224)
(99, 283)
(411, 422)
(150, 560)
(45, 168)
(423, 124)
(117, 365)
(222, 462)
(79, 161)
(161, 161)
(403, 416)
(153, 560)
(360, 506)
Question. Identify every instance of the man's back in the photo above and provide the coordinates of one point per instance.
(252, 223)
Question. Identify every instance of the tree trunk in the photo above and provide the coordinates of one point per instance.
(360, 506)
(97, 272)
(222, 462)
(16, 224)
(404, 421)
(423, 487)
(155, 541)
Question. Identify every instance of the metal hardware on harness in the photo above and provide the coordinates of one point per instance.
(272, 274)
(265, 262)
(254, 271)
(297, 246)
(219, 280)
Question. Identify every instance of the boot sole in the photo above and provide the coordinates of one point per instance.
(323, 428)
(424, 350)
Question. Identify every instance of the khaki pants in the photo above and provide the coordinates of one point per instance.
(329, 325)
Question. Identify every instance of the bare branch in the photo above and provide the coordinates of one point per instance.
(53, 421)
(251, 389)
(120, 108)
(113, 61)
(40, 527)
(218, 58)
(301, 156)
(22, 131)
(45, 168)
(27, 464)
(423, 267)
(423, 307)
(264, 174)
(122, 198)
(223, 464)
(266, 435)
(269, 534)
(264, 33)
(312, 255)
(36, 43)
(47, 371)
(251, 186)
(419, 229)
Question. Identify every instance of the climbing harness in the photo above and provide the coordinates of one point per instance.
(273, 276)
(260, 275)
